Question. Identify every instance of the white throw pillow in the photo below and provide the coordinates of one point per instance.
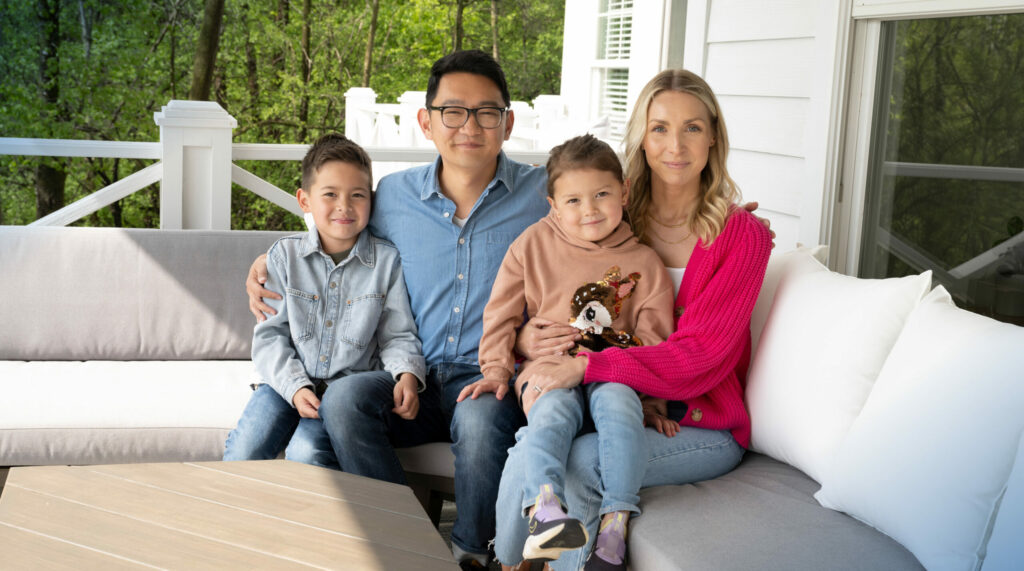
(928, 457)
(779, 264)
(1005, 549)
(823, 343)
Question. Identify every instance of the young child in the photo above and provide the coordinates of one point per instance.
(345, 317)
(626, 299)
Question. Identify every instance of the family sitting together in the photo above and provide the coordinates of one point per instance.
(578, 332)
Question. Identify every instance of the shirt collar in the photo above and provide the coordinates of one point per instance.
(503, 175)
(363, 250)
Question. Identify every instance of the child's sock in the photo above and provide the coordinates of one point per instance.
(610, 547)
(548, 508)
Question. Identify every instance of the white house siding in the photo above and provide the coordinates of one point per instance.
(771, 63)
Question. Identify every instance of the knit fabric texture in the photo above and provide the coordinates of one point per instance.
(704, 362)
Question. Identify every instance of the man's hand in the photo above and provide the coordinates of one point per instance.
(751, 207)
(540, 337)
(407, 400)
(256, 292)
(484, 385)
(306, 403)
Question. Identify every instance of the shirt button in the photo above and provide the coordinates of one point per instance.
(461, 276)
(323, 358)
(696, 415)
(462, 240)
(329, 323)
(334, 285)
(451, 340)
(446, 215)
(456, 310)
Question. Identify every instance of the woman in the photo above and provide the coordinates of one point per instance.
(683, 204)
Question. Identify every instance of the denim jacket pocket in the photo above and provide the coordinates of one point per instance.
(362, 315)
(302, 313)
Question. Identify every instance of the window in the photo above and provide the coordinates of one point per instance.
(615, 21)
(945, 179)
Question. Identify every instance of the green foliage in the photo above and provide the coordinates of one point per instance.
(957, 99)
(131, 58)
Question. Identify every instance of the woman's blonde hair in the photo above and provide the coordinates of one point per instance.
(718, 192)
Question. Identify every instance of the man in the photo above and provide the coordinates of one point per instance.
(452, 222)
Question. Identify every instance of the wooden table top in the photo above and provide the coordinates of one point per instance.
(269, 514)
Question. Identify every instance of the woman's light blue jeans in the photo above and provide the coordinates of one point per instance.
(692, 455)
(557, 418)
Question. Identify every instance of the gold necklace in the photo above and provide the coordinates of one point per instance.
(666, 224)
(662, 238)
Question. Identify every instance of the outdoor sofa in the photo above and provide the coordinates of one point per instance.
(132, 346)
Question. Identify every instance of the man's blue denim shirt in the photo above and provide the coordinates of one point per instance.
(449, 270)
(334, 320)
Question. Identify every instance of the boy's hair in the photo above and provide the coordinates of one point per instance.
(468, 61)
(333, 147)
(582, 152)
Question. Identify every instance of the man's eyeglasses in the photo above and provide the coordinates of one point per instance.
(454, 116)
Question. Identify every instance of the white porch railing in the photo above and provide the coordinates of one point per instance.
(196, 166)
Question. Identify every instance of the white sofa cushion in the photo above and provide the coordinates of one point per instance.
(779, 264)
(101, 412)
(823, 343)
(1005, 550)
(927, 459)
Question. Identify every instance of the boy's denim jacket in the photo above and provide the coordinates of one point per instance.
(335, 320)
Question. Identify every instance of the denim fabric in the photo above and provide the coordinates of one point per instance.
(554, 421)
(334, 320)
(692, 455)
(356, 431)
(482, 431)
(265, 428)
(449, 270)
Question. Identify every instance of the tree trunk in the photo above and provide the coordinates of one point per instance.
(368, 58)
(494, 29)
(50, 175)
(460, 6)
(306, 69)
(206, 51)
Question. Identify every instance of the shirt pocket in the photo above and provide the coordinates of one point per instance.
(362, 314)
(302, 310)
(497, 246)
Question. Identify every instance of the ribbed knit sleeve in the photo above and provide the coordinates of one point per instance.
(699, 361)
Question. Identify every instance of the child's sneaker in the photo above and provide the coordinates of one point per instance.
(552, 531)
(610, 548)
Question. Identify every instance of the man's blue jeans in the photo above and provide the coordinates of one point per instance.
(481, 430)
(558, 416)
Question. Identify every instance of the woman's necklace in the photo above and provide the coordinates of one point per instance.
(662, 238)
(666, 224)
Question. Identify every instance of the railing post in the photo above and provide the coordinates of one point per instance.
(408, 124)
(195, 137)
(359, 115)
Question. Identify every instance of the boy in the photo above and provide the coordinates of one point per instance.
(345, 316)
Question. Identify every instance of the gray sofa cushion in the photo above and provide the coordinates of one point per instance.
(125, 294)
(762, 515)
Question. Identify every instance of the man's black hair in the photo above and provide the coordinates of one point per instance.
(468, 61)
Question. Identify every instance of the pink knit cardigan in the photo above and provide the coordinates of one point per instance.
(704, 363)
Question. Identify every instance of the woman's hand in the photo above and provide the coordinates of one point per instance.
(541, 337)
(554, 372)
(751, 207)
(254, 288)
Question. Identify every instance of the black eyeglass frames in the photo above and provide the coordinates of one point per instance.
(455, 116)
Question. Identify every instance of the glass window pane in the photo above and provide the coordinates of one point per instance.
(946, 175)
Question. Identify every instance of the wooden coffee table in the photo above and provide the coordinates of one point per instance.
(271, 514)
